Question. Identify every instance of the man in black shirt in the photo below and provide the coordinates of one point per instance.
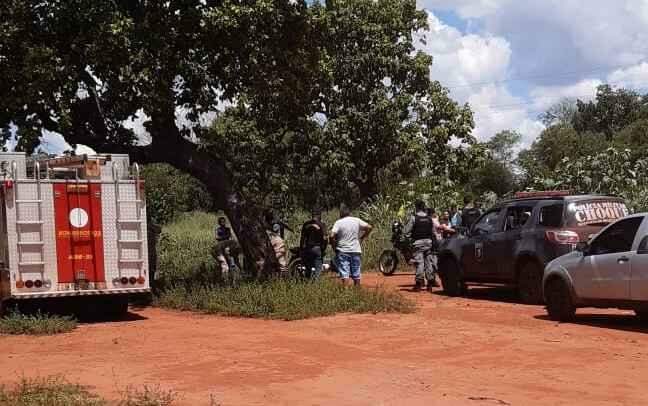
(420, 228)
(313, 244)
(469, 214)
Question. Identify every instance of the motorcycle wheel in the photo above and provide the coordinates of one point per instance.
(388, 262)
(296, 268)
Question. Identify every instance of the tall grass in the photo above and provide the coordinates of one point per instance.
(56, 391)
(36, 324)
(51, 391)
(184, 250)
(285, 299)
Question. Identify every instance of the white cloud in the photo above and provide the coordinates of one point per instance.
(497, 110)
(545, 96)
(465, 8)
(460, 60)
(474, 68)
(632, 77)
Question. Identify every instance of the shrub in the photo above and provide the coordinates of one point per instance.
(287, 299)
(52, 391)
(184, 250)
(36, 324)
(148, 396)
(170, 192)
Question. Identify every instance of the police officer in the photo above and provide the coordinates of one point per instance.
(470, 213)
(420, 228)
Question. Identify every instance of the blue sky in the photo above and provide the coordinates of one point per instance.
(512, 59)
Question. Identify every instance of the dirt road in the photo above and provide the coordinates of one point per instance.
(482, 350)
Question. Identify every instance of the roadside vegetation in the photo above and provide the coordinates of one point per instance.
(189, 278)
(284, 299)
(36, 324)
(57, 391)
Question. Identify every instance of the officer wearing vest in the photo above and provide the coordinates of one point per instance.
(420, 229)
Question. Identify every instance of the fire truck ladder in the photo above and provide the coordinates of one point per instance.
(37, 222)
(139, 241)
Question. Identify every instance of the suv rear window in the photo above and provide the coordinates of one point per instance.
(597, 212)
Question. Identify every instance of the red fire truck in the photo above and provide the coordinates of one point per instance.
(73, 229)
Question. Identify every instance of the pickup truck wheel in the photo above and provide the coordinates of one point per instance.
(559, 301)
(530, 283)
(453, 284)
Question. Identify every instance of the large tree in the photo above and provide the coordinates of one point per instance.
(83, 67)
(611, 111)
(333, 89)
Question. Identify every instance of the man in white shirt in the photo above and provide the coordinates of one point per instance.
(346, 236)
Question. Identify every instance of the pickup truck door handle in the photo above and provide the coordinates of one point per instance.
(623, 260)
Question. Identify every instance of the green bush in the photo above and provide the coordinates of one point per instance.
(36, 324)
(52, 391)
(286, 299)
(184, 250)
(170, 192)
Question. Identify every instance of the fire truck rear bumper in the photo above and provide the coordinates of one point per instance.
(90, 292)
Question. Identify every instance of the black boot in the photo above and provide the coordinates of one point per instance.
(418, 286)
(432, 284)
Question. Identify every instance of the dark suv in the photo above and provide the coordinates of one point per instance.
(512, 242)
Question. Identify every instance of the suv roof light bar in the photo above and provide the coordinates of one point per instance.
(546, 193)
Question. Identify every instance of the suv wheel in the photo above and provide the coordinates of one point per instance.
(559, 302)
(453, 284)
(642, 314)
(530, 283)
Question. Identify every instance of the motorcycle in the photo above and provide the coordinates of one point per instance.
(296, 267)
(388, 262)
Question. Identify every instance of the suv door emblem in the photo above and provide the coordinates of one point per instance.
(479, 251)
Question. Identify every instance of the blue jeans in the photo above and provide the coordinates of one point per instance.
(348, 265)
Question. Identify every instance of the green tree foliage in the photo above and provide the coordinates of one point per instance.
(83, 67)
(552, 146)
(494, 172)
(333, 89)
(617, 118)
(378, 120)
(611, 111)
(611, 172)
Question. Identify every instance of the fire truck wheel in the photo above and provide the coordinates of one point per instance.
(114, 307)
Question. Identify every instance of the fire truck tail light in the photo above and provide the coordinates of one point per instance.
(20, 284)
(562, 237)
(141, 280)
(38, 283)
(47, 284)
(123, 280)
(29, 284)
(132, 280)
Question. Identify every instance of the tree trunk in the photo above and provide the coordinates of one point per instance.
(245, 217)
(367, 188)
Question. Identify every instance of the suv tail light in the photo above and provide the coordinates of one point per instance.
(562, 237)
